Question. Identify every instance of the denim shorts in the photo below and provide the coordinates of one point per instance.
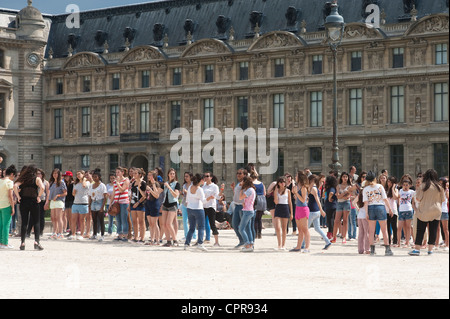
(139, 208)
(407, 215)
(444, 216)
(80, 209)
(96, 205)
(377, 212)
(343, 206)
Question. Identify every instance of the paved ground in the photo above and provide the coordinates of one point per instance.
(88, 269)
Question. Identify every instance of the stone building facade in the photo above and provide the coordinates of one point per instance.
(112, 94)
(23, 37)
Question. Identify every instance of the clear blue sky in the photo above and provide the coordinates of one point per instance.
(59, 6)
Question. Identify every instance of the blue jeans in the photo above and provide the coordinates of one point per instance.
(122, 220)
(235, 221)
(352, 224)
(314, 218)
(245, 226)
(196, 219)
(207, 229)
(185, 222)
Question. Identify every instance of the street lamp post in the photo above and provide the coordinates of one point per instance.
(334, 25)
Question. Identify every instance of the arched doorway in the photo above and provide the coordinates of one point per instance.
(140, 161)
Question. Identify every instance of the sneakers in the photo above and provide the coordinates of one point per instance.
(326, 246)
(201, 247)
(414, 252)
(388, 251)
(247, 249)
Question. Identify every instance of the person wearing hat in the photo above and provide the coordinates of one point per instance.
(375, 199)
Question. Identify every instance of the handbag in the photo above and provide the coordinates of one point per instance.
(114, 209)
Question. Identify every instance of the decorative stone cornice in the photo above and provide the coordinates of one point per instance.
(84, 60)
(275, 40)
(435, 23)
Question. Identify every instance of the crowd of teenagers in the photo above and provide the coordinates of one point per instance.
(408, 213)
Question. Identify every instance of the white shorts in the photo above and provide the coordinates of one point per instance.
(56, 204)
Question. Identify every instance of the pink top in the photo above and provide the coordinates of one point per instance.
(249, 200)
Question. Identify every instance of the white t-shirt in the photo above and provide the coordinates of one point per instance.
(211, 190)
(110, 190)
(405, 200)
(82, 193)
(361, 213)
(444, 206)
(195, 201)
(374, 194)
(393, 204)
(97, 193)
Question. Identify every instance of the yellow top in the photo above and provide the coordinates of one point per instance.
(5, 185)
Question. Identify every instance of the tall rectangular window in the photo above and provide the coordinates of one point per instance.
(356, 112)
(208, 111)
(243, 71)
(441, 102)
(441, 158)
(315, 156)
(356, 64)
(59, 86)
(397, 57)
(441, 53)
(278, 111)
(279, 68)
(57, 162)
(2, 110)
(87, 83)
(116, 81)
(176, 76)
(280, 170)
(242, 112)
(397, 160)
(175, 115)
(113, 162)
(316, 117)
(58, 122)
(397, 104)
(209, 73)
(144, 118)
(355, 157)
(85, 162)
(145, 79)
(317, 64)
(85, 121)
(114, 120)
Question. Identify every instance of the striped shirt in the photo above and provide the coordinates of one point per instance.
(121, 197)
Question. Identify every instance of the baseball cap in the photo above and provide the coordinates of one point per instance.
(68, 173)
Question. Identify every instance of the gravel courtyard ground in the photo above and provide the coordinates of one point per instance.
(89, 269)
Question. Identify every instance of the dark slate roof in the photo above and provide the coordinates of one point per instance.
(141, 18)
